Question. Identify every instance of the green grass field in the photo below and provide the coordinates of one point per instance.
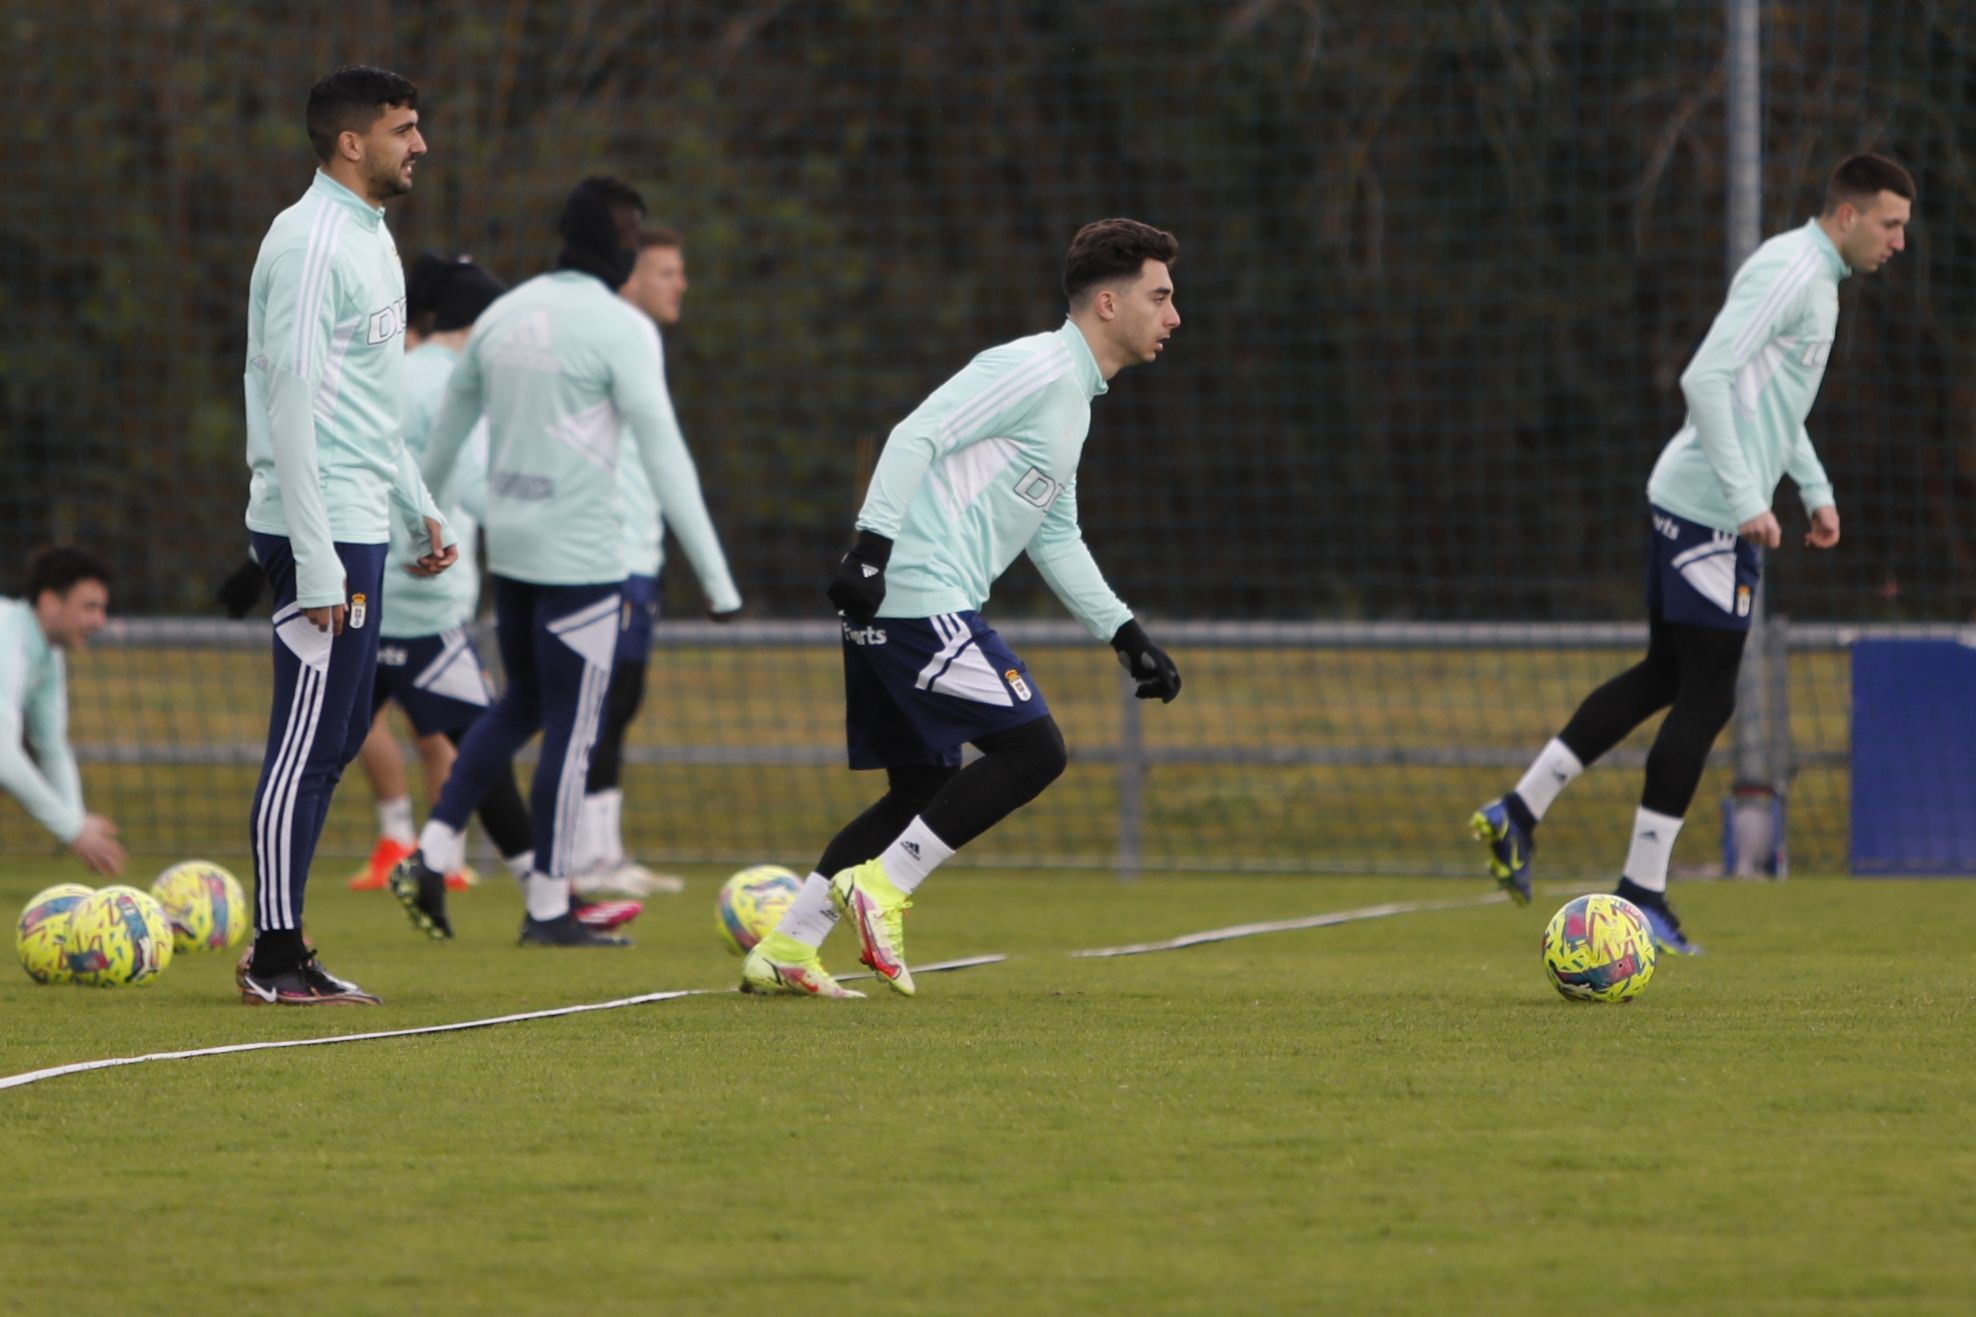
(1397, 1115)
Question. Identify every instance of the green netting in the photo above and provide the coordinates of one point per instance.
(1442, 263)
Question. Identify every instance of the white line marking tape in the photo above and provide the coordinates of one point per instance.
(1286, 925)
(643, 999)
(968, 962)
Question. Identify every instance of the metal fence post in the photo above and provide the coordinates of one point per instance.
(1751, 841)
(1131, 779)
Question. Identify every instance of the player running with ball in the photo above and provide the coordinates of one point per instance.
(984, 469)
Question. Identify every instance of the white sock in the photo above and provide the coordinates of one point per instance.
(914, 855)
(521, 866)
(548, 898)
(394, 821)
(444, 849)
(1550, 772)
(607, 834)
(1653, 846)
(811, 916)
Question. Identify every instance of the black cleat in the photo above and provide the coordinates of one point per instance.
(422, 891)
(308, 984)
(566, 931)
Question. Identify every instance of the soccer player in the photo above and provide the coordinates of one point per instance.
(560, 366)
(427, 662)
(1749, 388)
(325, 387)
(656, 287)
(984, 469)
(65, 602)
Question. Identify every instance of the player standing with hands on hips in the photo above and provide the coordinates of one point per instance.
(984, 469)
(325, 386)
(1749, 389)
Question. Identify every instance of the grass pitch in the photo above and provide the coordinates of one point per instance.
(1391, 1116)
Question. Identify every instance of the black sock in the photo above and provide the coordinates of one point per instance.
(278, 950)
(1518, 811)
(1641, 896)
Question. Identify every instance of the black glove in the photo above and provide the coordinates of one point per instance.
(241, 590)
(859, 586)
(1146, 663)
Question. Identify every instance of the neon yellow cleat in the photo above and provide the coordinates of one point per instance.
(877, 909)
(781, 964)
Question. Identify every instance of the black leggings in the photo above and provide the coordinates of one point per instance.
(502, 812)
(1692, 668)
(958, 804)
(627, 692)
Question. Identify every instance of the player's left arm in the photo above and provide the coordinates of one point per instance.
(638, 389)
(1815, 488)
(1064, 559)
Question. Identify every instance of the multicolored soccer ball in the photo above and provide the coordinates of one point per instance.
(43, 932)
(207, 909)
(751, 904)
(117, 936)
(1599, 948)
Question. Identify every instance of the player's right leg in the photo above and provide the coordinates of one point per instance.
(1507, 826)
(384, 769)
(318, 717)
(486, 753)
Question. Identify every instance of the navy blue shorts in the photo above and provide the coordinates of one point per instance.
(917, 689)
(1700, 576)
(437, 680)
(636, 617)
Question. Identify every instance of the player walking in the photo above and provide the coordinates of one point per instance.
(559, 366)
(325, 386)
(1749, 388)
(984, 469)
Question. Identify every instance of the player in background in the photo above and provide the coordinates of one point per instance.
(561, 367)
(325, 387)
(1749, 389)
(64, 601)
(656, 287)
(427, 662)
(984, 469)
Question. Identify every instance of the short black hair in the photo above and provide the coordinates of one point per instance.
(626, 206)
(1860, 178)
(1109, 249)
(350, 99)
(61, 568)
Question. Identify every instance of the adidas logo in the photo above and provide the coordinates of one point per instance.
(910, 847)
(1650, 835)
(869, 570)
(1562, 777)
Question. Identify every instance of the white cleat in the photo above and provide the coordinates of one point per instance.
(626, 878)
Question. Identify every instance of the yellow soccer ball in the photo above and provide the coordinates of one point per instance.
(43, 932)
(117, 936)
(751, 904)
(1599, 948)
(207, 909)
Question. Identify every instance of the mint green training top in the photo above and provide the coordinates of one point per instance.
(562, 365)
(34, 707)
(1751, 385)
(427, 605)
(325, 387)
(985, 469)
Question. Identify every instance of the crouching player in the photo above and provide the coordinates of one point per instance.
(984, 469)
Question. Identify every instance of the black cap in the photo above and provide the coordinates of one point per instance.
(452, 288)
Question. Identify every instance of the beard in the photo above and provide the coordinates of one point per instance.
(388, 182)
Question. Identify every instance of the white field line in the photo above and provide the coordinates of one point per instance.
(643, 999)
(969, 962)
(1286, 925)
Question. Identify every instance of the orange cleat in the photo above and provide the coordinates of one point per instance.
(376, 875)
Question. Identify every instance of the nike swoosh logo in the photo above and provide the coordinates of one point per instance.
(265, 994)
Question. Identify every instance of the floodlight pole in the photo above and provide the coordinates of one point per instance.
(1752, 822)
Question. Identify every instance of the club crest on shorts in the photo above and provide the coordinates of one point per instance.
(1742, 601)
(1016, 684)
(357, 610)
